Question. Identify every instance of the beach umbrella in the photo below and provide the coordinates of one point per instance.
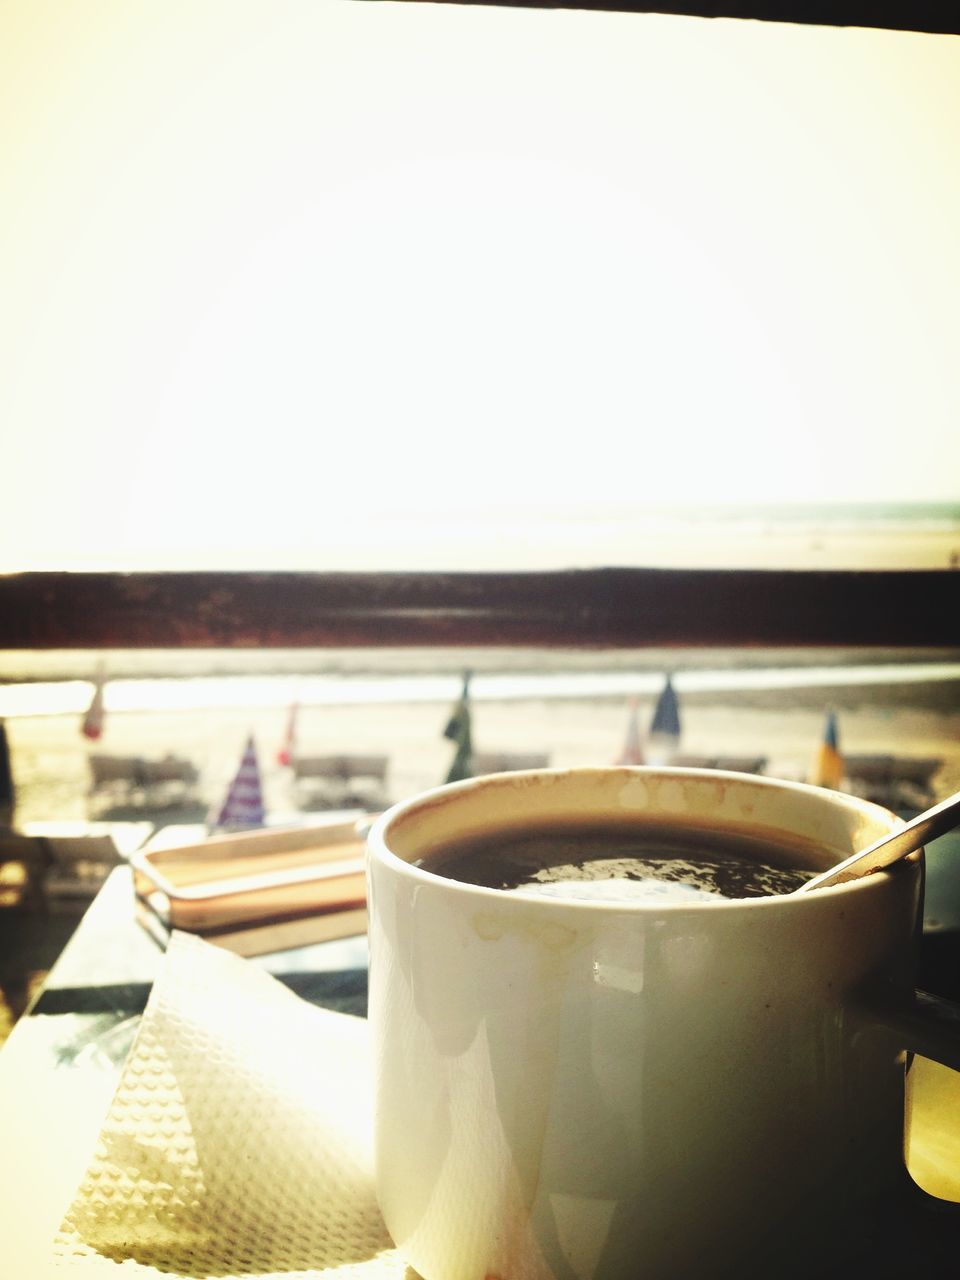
(243, 806)
(92, 726)
(828, 766)
(7, 793)
(664, 736)
(458, 731)
(632, 752)
(289, 748)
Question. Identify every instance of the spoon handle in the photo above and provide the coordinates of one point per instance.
(925, 826)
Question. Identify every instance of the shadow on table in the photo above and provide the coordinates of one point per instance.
(342, 990)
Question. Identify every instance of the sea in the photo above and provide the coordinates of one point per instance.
(818, 518)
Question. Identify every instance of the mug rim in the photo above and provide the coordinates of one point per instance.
(379, 850)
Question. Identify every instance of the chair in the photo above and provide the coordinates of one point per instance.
(731, 764)
(897, 782)
(341, 781)
(24, 861)
(485, 762)
(78, 866)
(141, 780)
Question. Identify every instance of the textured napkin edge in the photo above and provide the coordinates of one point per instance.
(192, 969)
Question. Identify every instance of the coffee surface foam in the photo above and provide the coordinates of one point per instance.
(613, 865)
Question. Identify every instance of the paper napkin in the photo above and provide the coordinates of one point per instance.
(237, 1144)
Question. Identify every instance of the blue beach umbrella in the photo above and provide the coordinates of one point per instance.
(666, 717)
(664, 736)
(828, 765)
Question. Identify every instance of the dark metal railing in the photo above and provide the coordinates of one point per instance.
(599, 608)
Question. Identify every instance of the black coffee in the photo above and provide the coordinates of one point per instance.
(619, 863)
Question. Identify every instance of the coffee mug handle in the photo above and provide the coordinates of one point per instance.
(924, 1024)
(929, 1026)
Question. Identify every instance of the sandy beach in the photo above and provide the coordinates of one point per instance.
(785, 725)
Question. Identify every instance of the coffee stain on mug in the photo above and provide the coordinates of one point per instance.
(491, 926)
(635, 794)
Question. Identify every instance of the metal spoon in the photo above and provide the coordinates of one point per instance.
(925, 826)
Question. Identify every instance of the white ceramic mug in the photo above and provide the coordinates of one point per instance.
(584, 1090)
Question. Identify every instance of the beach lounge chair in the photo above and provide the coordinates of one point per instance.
(23, 865)
(143, 781)
(55, 870)
(897, 782)
(741, 764)
(485, 762)
(732, 764)
(78, 866)
(341, 782)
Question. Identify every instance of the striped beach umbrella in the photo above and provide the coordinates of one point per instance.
(92, 726)
(289, 747)
(632, 752)
(243, 806)
(458, 730)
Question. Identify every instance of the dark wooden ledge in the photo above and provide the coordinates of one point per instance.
(898, 15)
(611, 608)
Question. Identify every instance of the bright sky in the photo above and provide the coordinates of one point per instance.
(289, 282)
